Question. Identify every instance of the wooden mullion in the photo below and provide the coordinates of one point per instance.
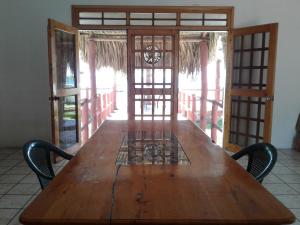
(254, 49)
(178, 18)
(244, 101)
(128, 18)
(245, 118)
(152, 69)
(246, 135)
(175, 73)
(251, 85)
(249, 67)
(142, 78)
(239, 98)
(261, 74)
(249, 82)
(164, 78)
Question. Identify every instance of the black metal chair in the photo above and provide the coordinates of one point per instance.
(37, 156)
(261, 159)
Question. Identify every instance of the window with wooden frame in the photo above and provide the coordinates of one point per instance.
(175, 17)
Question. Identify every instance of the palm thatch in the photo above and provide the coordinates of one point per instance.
(112, 51)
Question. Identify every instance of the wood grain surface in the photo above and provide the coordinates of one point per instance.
(213, 189)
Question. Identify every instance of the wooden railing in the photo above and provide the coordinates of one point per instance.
(95, 110)
(189, 106)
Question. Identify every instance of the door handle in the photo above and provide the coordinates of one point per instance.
(269, 98)
(53, 98)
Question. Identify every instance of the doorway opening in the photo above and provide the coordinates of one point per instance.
(201, 80)
(103, 78)
(164, 75)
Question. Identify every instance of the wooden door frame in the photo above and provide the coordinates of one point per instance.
(269, 92)
(54, 93)
(130, 67)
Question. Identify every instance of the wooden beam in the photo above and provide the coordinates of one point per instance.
(203, 64)
(92, 66)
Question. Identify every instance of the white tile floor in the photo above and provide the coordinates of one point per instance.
(19, 186)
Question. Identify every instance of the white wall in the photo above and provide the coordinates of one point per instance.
(24, 87)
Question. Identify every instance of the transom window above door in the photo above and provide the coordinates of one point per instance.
(99, 17)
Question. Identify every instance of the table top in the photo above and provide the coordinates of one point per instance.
(129, 172)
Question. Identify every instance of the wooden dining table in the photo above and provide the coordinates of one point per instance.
(154, 172)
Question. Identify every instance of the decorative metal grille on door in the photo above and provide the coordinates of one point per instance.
(152, 75)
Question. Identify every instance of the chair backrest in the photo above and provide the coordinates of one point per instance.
(261, 159)
(37, 155)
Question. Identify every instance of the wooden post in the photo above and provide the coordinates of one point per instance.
(189, 107)
(104, 107)
(204, 90)
(183, 111)
(87, 93)
(85, 120)
(99, 110)
(107, 104)
(193, 108)
(214, 121)
(92, 66)
(115, 93)
(179, 102)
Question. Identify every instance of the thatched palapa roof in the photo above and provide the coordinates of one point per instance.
(111, 49)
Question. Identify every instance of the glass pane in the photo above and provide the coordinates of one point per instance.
(67, 113)
(168, 59)
(165, 15)
(141, 15)
(158, 76)
(191, 22)
(138, 76)
(138, 59)
(158, 42)
(215, 23)
(147, 107)
(137, 42)
(215, 16)
(169, 42)
(168, 75)
(141, 22)
(147, 78)
(90, 22)
(167, 108)
(137, 108)
(65, 59)
(258, 38)
(116, 15)
(191, 15)
(115, 22)
(158, 110)
(165, 22)
(147, 41)
(257, 58)
(90, 15)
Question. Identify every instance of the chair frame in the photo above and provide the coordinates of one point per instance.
(30, 145)
(270, 150)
